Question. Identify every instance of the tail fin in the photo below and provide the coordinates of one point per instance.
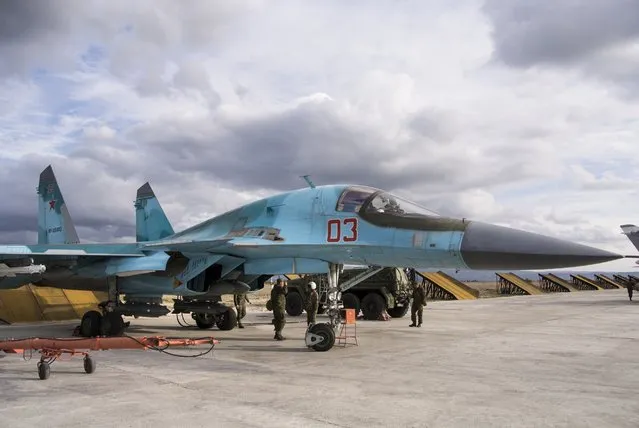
(54, 222)
(632, 232)
(150, 221)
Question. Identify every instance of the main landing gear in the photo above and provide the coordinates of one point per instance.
(205, 313)
(321, 337)
(107, 322)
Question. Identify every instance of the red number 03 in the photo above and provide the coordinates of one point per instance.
(334, 232)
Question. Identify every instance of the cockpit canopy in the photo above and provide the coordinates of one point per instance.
(376, 201)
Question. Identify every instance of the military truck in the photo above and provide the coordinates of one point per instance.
(388, 290)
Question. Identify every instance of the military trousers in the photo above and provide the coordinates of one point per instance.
(310, 317)
(241, 311)
(279, 320)
(416, 313)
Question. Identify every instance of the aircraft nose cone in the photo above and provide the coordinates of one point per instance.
(487, 246)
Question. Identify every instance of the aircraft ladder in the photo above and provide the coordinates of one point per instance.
(606, 282)
(509, 283)
(553, 283)
(440, 286)
(583, 283)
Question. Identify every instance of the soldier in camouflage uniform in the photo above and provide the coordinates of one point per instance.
(278, 300)
(417, 307)
(630, 285)
(240, 306)
(312, 304)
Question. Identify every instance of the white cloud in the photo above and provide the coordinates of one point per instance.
(217, 103)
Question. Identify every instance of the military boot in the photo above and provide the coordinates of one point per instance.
(239, 324)
(278, 336)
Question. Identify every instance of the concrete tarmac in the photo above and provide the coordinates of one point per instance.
(557, 360)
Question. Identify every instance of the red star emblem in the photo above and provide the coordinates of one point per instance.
(52, 204)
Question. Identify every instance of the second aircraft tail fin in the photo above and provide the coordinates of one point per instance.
(151, 222)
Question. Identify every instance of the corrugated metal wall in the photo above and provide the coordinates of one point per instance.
(33, 304)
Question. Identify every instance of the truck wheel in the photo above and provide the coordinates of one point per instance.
(351, 301)
(226, 320)
(294, 304)
(373, 305)
(398, 311)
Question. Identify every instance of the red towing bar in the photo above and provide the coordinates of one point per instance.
(52, 348)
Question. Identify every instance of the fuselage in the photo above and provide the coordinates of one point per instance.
(302, 230)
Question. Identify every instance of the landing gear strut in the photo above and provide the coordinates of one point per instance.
(321, 337)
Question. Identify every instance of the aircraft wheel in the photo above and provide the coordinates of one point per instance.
(112, 325)
(44, 370)
(90, 324)
(373, 305)
(89, 364)
(351, 301)
(204, 321)
(398, 311)
(327, 333)
(227, 320)
(294, 304)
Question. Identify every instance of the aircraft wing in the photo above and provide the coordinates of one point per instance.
(43, 252)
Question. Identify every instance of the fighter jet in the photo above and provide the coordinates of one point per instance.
(314, 229)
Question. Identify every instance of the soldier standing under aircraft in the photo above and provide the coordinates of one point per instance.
(240, 300)
(417, 307)
(630, 286)
(312, 304)
(278, 300)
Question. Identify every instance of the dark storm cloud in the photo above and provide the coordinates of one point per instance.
(24, 20)
(272, 151)
(528, 32)
(105, 212)
(52, 34)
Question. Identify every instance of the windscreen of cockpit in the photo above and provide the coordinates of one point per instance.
(352, 199)
(385, 203)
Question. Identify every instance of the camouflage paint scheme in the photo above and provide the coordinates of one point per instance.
(299, 231)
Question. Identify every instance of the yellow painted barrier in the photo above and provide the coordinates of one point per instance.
(53, 303)
(19, 305)
(36, 304)
(520, 283)
(457, 289)
(84, 301)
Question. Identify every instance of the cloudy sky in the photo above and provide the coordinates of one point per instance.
(516, 112)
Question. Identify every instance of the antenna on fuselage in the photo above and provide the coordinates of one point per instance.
(308, 181)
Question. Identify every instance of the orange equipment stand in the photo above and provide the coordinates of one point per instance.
(349, 319)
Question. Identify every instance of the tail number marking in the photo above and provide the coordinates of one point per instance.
(334, 230)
